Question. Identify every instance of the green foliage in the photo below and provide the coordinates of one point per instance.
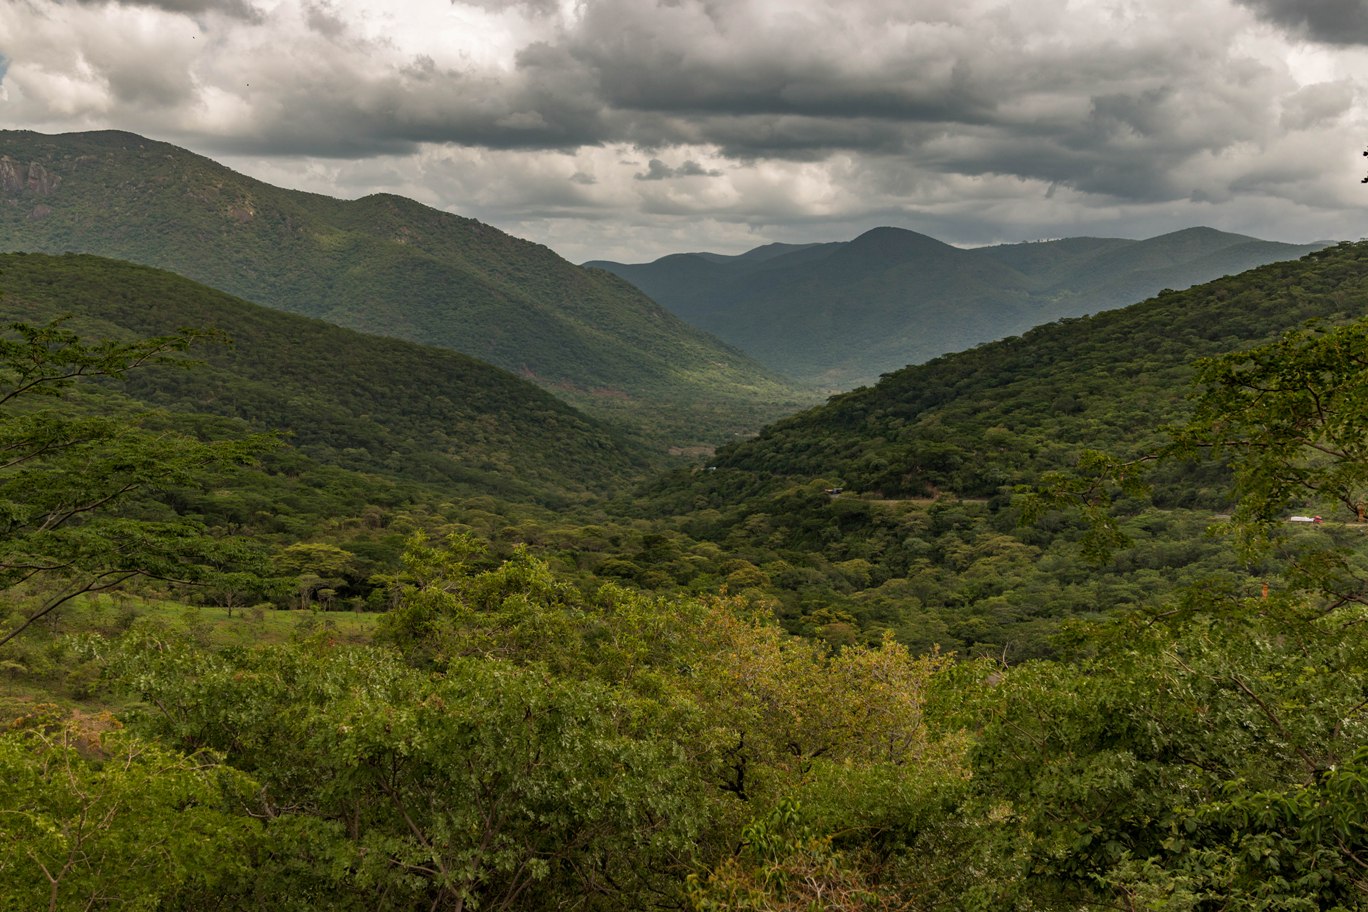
(70, 487)
(785, 866)
(1211, 756)
(92, 817)
(360, 402)
(486, 786)
(1289, 416)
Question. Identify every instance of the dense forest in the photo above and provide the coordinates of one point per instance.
(358, 401)
(1024, 628)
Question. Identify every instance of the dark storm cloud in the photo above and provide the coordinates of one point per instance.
(694, 60)
(1134, 101)
(745, 86)
(1328, 21)
(327, 107)
(236, 9)
(1028, 90)
(628, 72)
(1109, 110)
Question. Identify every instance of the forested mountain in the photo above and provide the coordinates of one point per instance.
(841, 314)
(386, 265)
(361, 402)
(970, 422)
(1002, 413)
(923, 532)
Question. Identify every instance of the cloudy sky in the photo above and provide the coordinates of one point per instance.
(627, 129)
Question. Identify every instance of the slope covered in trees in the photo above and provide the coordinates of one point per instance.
(925, 536)
(1001, 414)
(385, 265)
(840, 314)
(360, 402)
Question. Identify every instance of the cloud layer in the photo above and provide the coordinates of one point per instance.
(1328, 21)
(629, 127)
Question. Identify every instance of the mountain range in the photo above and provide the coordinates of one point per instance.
(387, 265)
(838, 315)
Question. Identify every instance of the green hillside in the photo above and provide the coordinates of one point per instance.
(1121, 273)
(387, 265)
(838, 315)
(1002, 413)
(363, 403)
(924, 535)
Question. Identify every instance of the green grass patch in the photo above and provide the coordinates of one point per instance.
(44, 665)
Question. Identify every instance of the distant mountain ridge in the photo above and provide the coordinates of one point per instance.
(387, 265)
(841, 314)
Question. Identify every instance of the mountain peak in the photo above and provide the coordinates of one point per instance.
(885, 247)
(890, 237)
(1203, 234)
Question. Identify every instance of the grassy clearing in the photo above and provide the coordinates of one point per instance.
(212, 626)
(42, 666)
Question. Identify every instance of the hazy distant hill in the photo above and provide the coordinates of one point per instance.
(841, 314)
(387, 265)
(357, 401)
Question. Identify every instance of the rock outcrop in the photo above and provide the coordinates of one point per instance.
(18, 179)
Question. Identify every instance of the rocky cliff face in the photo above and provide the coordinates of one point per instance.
(18, 179)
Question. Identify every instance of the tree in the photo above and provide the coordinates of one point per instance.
(1291, 418)
(68, 478)
(318, 567)
(491, 786)
(1209, 753)
(92, 817)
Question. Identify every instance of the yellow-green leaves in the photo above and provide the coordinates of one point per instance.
(94, 817)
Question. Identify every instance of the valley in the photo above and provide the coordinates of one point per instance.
(345, 565)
